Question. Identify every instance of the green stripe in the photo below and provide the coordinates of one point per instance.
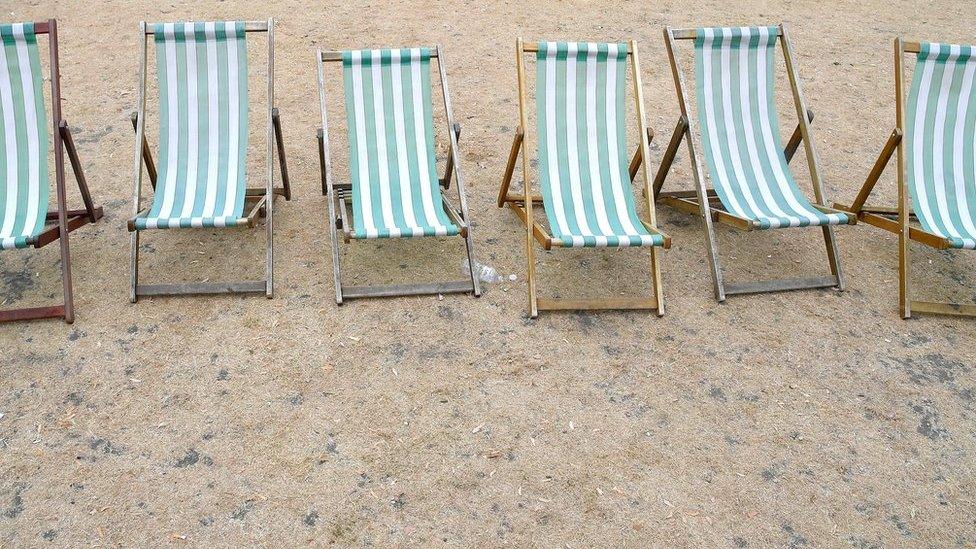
(223, 110)
(242, 107)
(203, 120)
(4, 30)
(20, 124)
(410, 128)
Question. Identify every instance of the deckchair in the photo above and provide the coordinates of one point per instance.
(393, 187)
(754, 188)
(584, 176)
(936, 142)
(203, 132)
(24, 217)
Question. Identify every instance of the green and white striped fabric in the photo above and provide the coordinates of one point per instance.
(395, 191)
(734, 77)
(941, 139)
(202, 74)
(23, 138)
(581, 109)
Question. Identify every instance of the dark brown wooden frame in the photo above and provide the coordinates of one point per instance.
(881, 217)
(66, 220)
(339, 196)
(260, 201)
(704, 202)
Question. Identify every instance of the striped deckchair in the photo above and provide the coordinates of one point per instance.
(753, 186)
(935, 137)
(394, 190)
(24, 216)
(585, 180)
(201, 71)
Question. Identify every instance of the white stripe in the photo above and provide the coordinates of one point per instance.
(173, 107)
(938, 146)
(382, 155)
(213, 121)
(10, 136)
(576, 189)
(924, 212)
(233, 119)
(552, 156)
(359, 108)
(420, 132)
(769, 143)
(403, 165)
(958, 141)
(193, 122)
(33, 136)
(721, 176)
(616, 185)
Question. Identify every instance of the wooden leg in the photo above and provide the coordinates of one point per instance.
(146, 153)
(658, 285)
(635, 162)
(269, 230)
(322, 169)
(510, 167)
(133, 265)
(662, 173)
(904, 274)
(833, 256)
(449, 169)
(69, 145)
(285, 181)
(333, 220)
(795, 139)
(894, 140)
(33, 313)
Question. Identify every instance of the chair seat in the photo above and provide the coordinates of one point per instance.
(449, 229)
(14, 242)
(814, 218)
(23, 138)
(142, 223)
(203, 121)
(939, 142)
(586, 187)
(393, 172)
(968, 243)
(610, 241)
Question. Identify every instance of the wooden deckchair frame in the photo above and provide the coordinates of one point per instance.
(523, 204)
(882, 216)
(66, 220)
(260, 201)
(340, 195)
(704, 202)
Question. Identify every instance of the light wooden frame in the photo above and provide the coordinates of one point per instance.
(523, 204)
(340, 195)
(261, 200)
(882, 216)
(704, 202)
(63, 220)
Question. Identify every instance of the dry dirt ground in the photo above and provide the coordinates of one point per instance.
(809, 419)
